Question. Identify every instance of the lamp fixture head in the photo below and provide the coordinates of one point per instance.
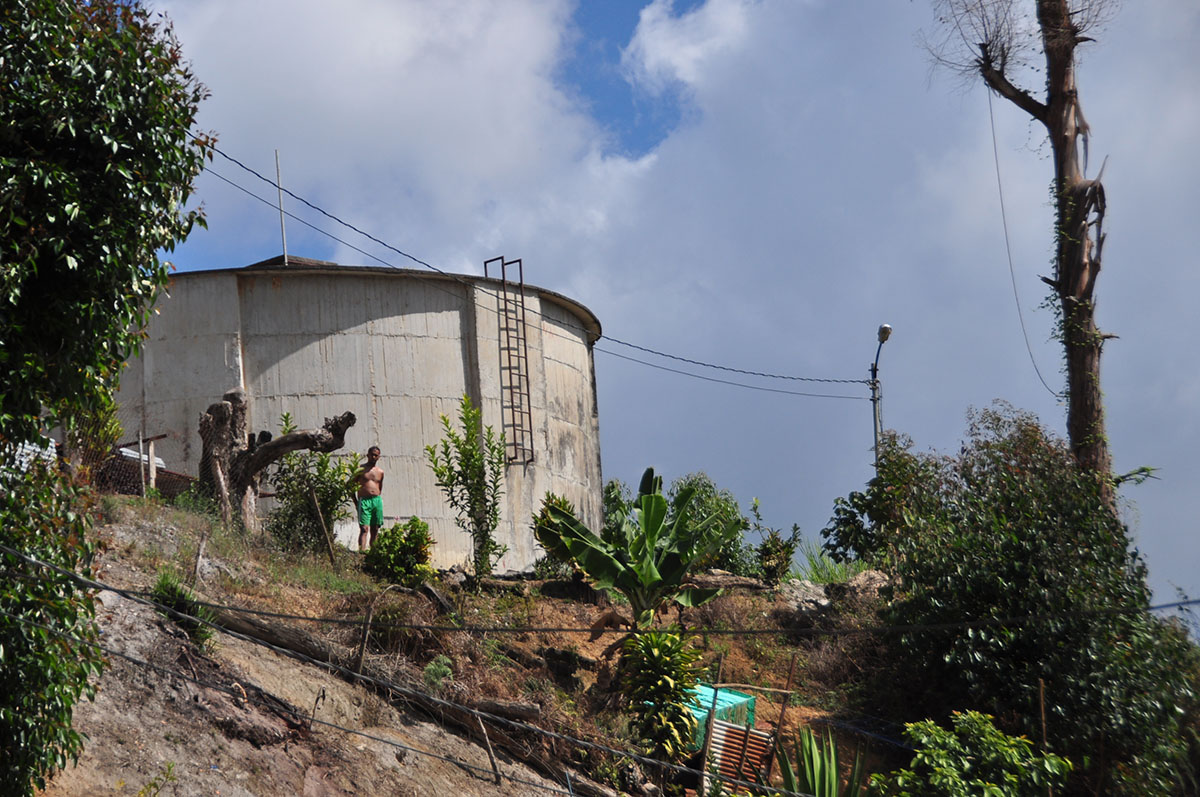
(885, 332)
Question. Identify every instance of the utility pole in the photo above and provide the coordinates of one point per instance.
(885, 332)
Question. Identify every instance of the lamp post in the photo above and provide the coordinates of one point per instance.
(885, 332)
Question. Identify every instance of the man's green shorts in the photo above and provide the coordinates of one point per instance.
(370, 511)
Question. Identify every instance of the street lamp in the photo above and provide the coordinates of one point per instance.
(885, 332)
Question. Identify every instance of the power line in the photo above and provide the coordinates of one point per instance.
(386, 685)
(551, 331)
(444, 273)
(737, 370)
(726, 381)
(1008, 248)
(239, 695)
(957, 625)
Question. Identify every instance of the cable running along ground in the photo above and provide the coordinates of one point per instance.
(396, 688)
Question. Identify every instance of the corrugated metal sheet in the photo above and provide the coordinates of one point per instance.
(738, 751)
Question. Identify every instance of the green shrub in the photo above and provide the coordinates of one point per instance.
(438, 672)
(547, 567)
(44, 668)
(658, 673)
(707, 500)
(175, 597)
(973, 759)
(775, 552)
(296, 477)
(1013, 528)
(400, 554)
(469, 468)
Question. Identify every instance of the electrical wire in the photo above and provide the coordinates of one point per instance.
(391, 686)
(430, 266)
(551, 331)
(1008, 248)
(239, 695)
(728, 381)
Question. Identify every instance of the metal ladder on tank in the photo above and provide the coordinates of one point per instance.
(515, 411)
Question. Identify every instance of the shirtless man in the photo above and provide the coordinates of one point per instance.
(368, 500)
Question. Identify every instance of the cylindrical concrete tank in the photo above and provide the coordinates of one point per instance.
(398, 348)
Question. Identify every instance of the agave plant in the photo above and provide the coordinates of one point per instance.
(648, 556)
(816, 769)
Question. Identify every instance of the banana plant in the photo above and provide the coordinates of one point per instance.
(648, 557)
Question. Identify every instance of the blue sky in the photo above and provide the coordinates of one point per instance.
(755, 183)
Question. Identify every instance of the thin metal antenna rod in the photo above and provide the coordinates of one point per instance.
(282, 228)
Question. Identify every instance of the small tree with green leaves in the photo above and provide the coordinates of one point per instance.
(297, 477)
(469, 467)
(972, 759)
(775, 551)
(1010, 573)
(709, 500)
(649, 556)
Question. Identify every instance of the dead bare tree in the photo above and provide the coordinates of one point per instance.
(232, 459)
(1003, 42)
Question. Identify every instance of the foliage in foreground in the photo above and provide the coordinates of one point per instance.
(658, 673)
(972, 759)
(298, 476)
(400, 554)
(648, 557)
(469, 467)
(816, 769)
(1013, 528)
(97, 163)
(47, 624)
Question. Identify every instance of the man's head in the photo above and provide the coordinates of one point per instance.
(373, 454)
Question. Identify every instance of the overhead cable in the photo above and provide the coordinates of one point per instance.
(333, 217)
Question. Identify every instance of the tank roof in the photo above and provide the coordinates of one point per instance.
(276, 265)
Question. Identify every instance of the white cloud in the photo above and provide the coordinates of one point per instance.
(668, 49)
(820, 187)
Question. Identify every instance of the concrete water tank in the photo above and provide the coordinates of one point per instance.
(398, 348)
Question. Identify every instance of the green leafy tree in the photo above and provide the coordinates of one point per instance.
(649, 557)
(469, 467)
(96, 163)
(975, 758)
(1010, 571)
(299, 475)
(709, 500)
